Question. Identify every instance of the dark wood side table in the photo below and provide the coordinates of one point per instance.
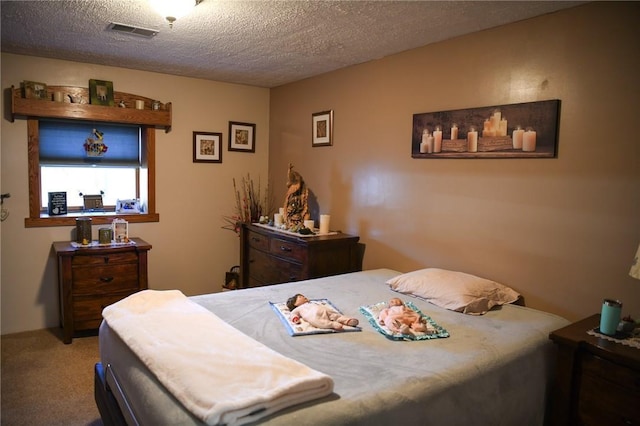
(94, 277)
(597, 380)
(271, 257)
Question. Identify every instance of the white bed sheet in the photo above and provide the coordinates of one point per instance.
(493, 369)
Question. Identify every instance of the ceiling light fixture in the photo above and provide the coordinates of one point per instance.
(173, 9)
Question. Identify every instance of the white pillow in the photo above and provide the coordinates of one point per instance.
(452, 290)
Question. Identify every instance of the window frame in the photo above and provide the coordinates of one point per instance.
(147, 165)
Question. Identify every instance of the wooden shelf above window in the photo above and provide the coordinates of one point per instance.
(37, 108)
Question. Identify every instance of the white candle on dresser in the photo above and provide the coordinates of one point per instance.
(437, 140)
(278, 219)
(518, 133)
(324, 223)
(454, 132)
(472, 140)
(529, 141)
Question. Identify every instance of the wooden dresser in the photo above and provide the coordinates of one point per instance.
(92, 278)
(271, 257)
(597, 380)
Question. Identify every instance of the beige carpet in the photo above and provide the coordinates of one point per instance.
(45, 382)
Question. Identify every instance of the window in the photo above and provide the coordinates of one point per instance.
(59, 161)
(83, 158)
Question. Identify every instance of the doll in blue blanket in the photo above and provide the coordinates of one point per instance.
(398, 318)
(316, 314)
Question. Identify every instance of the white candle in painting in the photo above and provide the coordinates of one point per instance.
(495, 120)
(502, 129)
(518, 133)
(437, 140)
(472, 140)
(529, 141)
(454, 132)
(324, 223)
(423, 143)
(429, 144)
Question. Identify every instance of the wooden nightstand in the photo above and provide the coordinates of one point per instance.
(92, 278)
(597, 380)
(270, 257)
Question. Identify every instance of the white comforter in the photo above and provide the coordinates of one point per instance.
(220, 374)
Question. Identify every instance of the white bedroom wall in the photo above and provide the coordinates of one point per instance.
(190, 250)
(561, 231)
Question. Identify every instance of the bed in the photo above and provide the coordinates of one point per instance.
(493, 369)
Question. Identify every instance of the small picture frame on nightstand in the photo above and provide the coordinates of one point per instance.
(120, 231)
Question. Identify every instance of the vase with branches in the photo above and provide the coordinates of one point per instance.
(251, 204)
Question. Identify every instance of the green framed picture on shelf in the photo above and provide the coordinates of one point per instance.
(101, 92)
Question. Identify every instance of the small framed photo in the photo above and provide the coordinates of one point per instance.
(35, 90)
(101, 92)
(120, 228)
(322, 128)
(207, 147)
(93, 203)
(242, 137)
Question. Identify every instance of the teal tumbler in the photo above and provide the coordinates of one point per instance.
(610, 317)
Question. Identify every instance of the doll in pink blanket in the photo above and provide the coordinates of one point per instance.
(318, 315)
(398, 318)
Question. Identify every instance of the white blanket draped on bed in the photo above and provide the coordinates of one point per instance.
(218, 373)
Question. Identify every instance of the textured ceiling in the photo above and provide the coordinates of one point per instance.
(258, 43)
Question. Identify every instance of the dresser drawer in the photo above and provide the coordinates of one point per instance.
(105, 259)
(270, 270)
(105, 279)
(287, 249)
(258, 241)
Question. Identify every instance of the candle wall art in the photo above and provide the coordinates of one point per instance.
(525, 130)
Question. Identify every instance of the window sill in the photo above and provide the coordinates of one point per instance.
(96, 219)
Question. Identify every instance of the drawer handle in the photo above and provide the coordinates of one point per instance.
(254, 239)
(283, 248)
(106, 279)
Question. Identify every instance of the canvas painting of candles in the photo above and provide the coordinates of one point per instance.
(524, 130)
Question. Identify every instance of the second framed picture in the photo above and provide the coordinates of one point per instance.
(322, 128)
(101, 92)
(207, 147)
(242, 137)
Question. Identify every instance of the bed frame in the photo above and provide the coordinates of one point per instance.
(107, 400)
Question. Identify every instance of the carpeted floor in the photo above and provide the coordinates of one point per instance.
(45, 382)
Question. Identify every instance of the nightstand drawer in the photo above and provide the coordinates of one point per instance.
(614, 373)
(105, 279)
(88, 310)
(287, 249)
(105, 259)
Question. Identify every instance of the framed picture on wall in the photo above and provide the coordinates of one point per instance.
(207, 147)
(322, 128)
(101, 92)
(242, 136)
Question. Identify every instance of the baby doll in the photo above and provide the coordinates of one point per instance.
(400, 319)
(318, 315)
